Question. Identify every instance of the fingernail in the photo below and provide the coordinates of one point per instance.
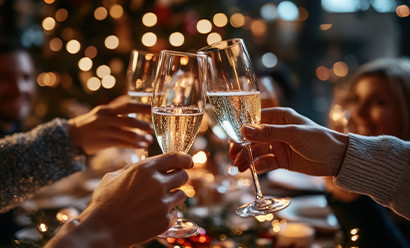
(251, 131)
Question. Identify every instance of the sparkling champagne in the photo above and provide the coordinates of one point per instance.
(176, 127)
(235, 109)
(141, 97)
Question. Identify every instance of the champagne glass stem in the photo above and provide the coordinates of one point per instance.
(248, 152)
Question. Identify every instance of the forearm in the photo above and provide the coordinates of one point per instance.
(378, 167)
(33, 159)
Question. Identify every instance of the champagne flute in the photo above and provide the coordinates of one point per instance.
(235, 99)
(140, 80)
(178, 106)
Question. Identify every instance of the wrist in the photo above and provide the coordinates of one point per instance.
(342, 141)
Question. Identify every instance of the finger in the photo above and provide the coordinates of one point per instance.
(234, 149)
(282, 116)
(176, 198)
(176, 179)
(266, 163)
(127, 107)
(173, 218)
(125, 121)
(241, 161)
(271, 133)
(171, 161)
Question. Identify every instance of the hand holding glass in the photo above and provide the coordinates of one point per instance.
(235, 99)
(178, 106)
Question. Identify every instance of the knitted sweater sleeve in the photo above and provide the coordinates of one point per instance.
(34, 159)
(378, 167)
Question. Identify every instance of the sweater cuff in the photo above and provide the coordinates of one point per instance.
(368, 168)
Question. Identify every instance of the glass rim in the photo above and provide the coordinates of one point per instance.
(212, 46)
(179, 53)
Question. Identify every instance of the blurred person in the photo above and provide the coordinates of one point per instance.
(378, 102)
(21, 172)
(374, 166)
(129, 207)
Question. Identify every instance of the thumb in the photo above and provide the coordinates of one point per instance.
(270, 133)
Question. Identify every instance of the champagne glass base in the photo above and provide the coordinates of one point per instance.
(182, 229)
(262, 206)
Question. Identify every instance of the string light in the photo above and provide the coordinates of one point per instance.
(108, 82)
(176, 39)
(49, 1)
(42, 227)
(116, 11)
(303, 14)
(288, 11)
(111, 42)
(73, 46)
(149, 19)
(100, 13)
(85, 64)
(269, 60)
(259, 27)
(402, 11)
(91, 52)
(340, 69)
(269, 12)
(325, 27)
(204, 26)
(322, 73)
(48, 23)
(103, 70)
(149, 39)
(237, 20)
(93, 83)
(213, 37)
(61, 15)
(56, 44)
(220, 20)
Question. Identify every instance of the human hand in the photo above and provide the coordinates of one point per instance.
(109, 126)
(132, 205)
(286, 139)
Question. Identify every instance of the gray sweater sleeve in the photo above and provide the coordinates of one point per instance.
(34, 159)
(378, 167)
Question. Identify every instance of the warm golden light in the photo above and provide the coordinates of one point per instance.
(100, 13)
(269, 217)
(176, 39)
(42, 227)
(111, 42)
(303, 14)
(108, 82)
(199, 158)
(48, 79)
(73, 46)
(354, 231)
(355, 237)
(149, 19)
(149, 39)
(116, 65)
(49, 1)
(85, 64)
(259, 28)
(93, 83)
(322, 73)
(237, 20)
(260, 218)
(204, 26)
(56, 44)
(402, 11)
(325, 27)
(340, 69)
(213, 37)
(61, 15)
(116, 11)
(220, 20)
(103, 70)
(48, 23)
(90, 52)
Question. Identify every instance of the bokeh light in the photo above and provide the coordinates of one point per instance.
(116, 11)
(116, 65)
(149, 39)
(288, 11)
(73, 46)
(49, 1)
(269, 60)
(85, 64)
(322, 73)
(100, 13)
(91, 52)
(48, 23)
(56, 44)
(303, 14)
(325, 27)
(213, 37)
(402, 11)
(176, 39)
(111, 42)
(269, 12)
(149, 19)
(103, 70)
(108, 82)
(220, 20)
(237, 20)
(93, 83)
(61, 15)
(340, 69)
(259, 27)
(204, 26)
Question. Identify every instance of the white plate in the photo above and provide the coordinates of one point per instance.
(295, 180)
(312, 210)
